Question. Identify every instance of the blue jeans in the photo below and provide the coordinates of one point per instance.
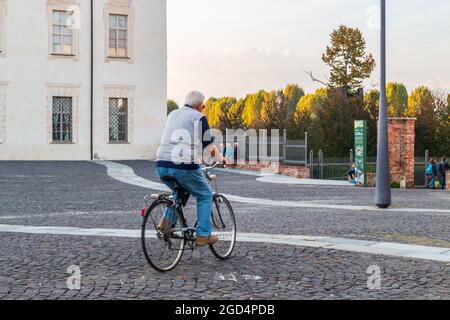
(431, 182)
(194, 182)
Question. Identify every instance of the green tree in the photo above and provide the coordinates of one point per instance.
(397, 99)
(293, 95)
(419, 102)
(235, 114)
(306, 113)
(218, 114)
(371, 109)
(171, 106)
(333, 129)
(347, 59)
(275, 111)
(441, 144)
(421, 105)
(252, 109)
(208, 106)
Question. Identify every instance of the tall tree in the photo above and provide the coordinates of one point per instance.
(441, 145)
(235, 114)
(208, 106)
(293, 94)
(397, 99)
(171, 106)
(275, 111)
(252, 109)
(333, 129)
(218, 115)
(306, 113)
(347, 59)
(420, 102)
(421, 105)
(371, 108)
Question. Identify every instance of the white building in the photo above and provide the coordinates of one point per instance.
(49, 87)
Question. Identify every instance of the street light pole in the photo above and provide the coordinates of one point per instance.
(383, 187)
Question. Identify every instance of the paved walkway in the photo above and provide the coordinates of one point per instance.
(282, 179)
(295, 241)
(126, 174)
(371, 247)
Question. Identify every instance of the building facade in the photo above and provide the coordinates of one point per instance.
(82, 79)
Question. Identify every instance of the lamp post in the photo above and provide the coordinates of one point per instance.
(383, 187)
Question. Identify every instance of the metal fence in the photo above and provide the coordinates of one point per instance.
(290, 152)
(335, 168)
(329, 168)
(295, 152)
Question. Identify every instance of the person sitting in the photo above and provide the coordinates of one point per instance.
(177, 158)
(352, 173)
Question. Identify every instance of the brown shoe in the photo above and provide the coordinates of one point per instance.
(205, 241)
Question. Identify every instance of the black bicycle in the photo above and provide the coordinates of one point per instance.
(164, 247)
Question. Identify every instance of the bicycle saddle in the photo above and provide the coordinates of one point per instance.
(177, 186)
(170, 179)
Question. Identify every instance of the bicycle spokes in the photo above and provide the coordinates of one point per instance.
(163, 242)
(224, 226)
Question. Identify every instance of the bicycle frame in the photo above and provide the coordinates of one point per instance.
(177, 200)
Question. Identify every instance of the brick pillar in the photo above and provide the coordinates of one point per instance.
(401, 133)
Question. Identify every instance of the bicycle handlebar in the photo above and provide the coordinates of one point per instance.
(211, 167)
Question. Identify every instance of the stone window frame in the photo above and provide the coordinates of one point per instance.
(117, 29)
(119, 7)
(3, 85)
(118, 91)
(118, 140)
(2, 28)
(60, 129)
(64, 5)
(63, 90)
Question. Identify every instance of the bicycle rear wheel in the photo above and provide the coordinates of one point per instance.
(224, 226)
(163, 248)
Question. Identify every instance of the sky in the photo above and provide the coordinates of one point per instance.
(236, 47)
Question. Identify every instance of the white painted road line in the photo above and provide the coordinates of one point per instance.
(64, 214)
(126, 174)
(329, 243)
(280, 179)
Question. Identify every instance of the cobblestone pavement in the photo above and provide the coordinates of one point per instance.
(80, 194)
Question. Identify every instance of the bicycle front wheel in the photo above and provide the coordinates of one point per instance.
(163, 236)
(224, 226)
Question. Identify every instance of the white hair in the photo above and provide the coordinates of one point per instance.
(194, 98)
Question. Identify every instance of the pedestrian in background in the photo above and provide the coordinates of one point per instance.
(235, 153)
(442, 170)
(431, 174)
(228, 153)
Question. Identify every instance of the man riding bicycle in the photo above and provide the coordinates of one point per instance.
(184, 140)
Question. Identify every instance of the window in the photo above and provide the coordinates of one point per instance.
(62, 34)
(118, 37)
(118, 113)
(62, 120)
(118, 120)
(118, 22)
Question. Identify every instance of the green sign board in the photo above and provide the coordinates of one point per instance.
(361, 149)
